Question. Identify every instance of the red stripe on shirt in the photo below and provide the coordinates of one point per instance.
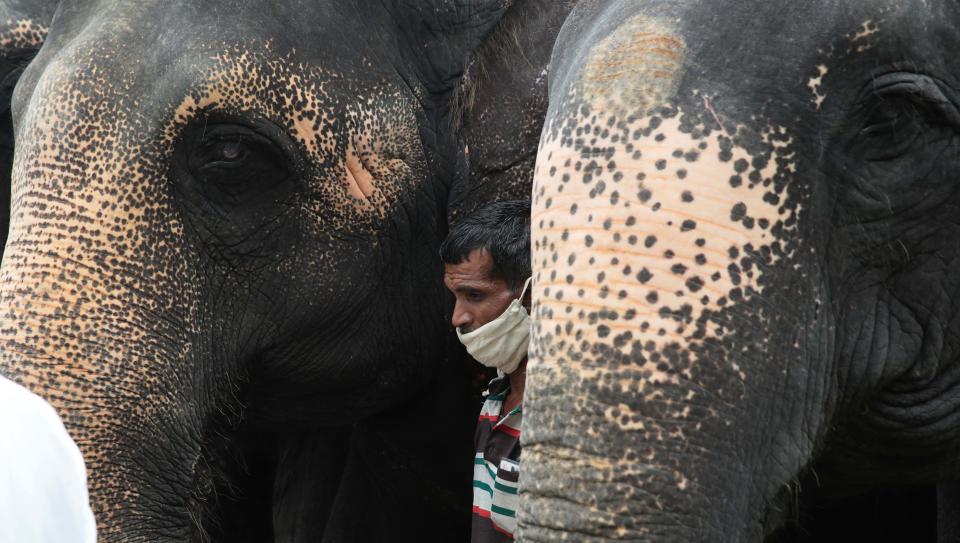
(483, 513)
(508, 430)
(499, 529)
(489, 417)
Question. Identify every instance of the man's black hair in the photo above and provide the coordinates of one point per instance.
(502, 229)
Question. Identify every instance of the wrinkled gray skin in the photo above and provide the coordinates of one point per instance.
(501, 105)
(744, 248)
(222, 264)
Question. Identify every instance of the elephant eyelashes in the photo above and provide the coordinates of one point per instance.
(232, 164)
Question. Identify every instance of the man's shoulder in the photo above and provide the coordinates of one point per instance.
(45, 486)
(34, 425)
(18, 405)
(497, 386)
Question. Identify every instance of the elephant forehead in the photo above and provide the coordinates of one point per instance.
(643, 226)
(857, 41)
(364, 132)
(238, 82)
(636, 65)
(83, 161)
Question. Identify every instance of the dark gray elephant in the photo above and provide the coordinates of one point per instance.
(745, 231)
(222, 259)
(501, 105)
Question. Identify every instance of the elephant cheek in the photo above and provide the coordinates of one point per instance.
(646, 235)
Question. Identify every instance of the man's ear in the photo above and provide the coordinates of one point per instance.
(444, 34)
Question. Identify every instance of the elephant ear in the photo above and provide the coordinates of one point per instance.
(23, 28)
(501, 105)
(444, 34)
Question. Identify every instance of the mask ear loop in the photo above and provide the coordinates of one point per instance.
(523, 294)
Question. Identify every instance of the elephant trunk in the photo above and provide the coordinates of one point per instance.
(97, 310)
(81, 340)
(626, 404)
(658, 362)
(623, 472)
(638, 389)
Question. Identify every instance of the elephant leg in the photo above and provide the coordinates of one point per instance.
(308, 476)
(948, 512)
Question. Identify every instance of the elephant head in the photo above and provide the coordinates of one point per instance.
(744, 247)
(223, 239)
(501, 104)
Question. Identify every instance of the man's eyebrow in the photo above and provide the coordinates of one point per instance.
(470, 285)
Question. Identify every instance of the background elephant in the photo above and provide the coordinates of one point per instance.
(744, 249)
(501, 104)
(222, 265)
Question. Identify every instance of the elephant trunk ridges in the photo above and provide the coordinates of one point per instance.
(95, 307)
(654, 227)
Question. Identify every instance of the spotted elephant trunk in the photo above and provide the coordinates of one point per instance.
(97, 308)
(658, 358)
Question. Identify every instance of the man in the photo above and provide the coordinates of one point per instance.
(487, 267)
(43, 481)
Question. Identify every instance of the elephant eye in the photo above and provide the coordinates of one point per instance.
(892, 129)
(904, 112)
(227, 154)
(898, 146)
(232, 164)
(888, 117)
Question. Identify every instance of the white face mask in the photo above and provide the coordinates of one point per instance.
(501, 343)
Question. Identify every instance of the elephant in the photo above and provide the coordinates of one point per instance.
(744, 248)
(221, 265)
(505, 87)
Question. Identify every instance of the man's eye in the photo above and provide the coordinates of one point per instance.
(474, 296)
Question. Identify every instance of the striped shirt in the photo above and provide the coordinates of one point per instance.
(496, 468)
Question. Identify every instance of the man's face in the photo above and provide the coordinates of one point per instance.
(480, 297)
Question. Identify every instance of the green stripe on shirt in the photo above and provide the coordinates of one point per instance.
(501, 511)
(483, 486)
(480, 461)
(502, 488)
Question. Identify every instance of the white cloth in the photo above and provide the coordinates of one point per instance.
(43, 481)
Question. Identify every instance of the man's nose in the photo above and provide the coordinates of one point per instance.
(461, 317)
